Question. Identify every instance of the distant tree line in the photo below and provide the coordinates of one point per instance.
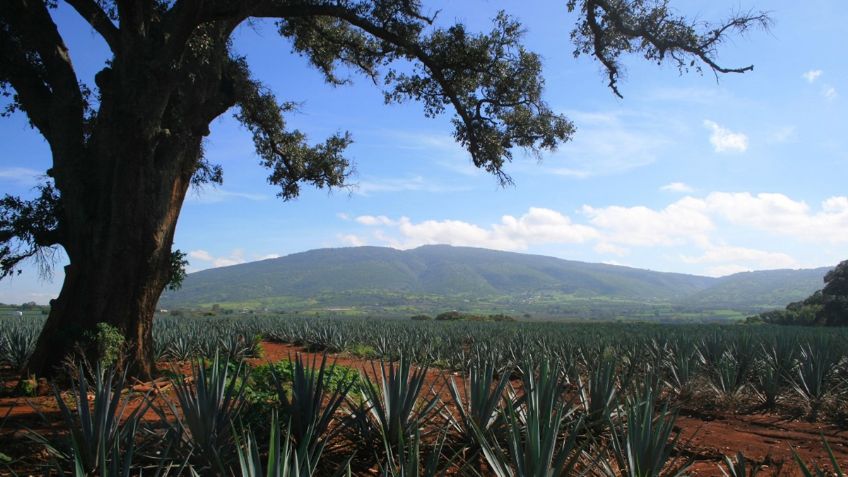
(460, 316)
(826, 307)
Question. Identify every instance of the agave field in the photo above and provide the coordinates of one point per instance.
(410, 398)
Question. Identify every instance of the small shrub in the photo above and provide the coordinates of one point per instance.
(108, 343)
(27, 387)
(450, 316)
(261, 388)
(363, 351)
(500, 317)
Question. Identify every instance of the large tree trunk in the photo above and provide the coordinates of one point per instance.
(119, 249)
(121, 193)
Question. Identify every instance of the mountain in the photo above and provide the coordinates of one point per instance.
(378, 280)
(762, 289)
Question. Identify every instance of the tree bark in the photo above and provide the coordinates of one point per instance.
(119, 248)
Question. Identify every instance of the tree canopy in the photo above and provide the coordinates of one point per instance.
(126, 148)
(489, 81)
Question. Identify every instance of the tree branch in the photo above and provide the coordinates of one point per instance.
(32, 22)
(269, 9)
(38, 66)
(32, 94)
(180, 22)
(99, 20)
(612, 27)
(28, 228)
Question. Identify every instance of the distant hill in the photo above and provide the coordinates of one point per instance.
(369, 280)
(761, 290)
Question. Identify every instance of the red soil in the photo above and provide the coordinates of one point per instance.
(766, 439)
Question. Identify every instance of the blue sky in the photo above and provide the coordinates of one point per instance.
(685, 174)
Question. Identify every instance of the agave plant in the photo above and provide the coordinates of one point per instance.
(598, 395)
(768, 385)
(17, 345)
(483, 393)
(534, 429)
(406, 462)
(312, 405)
(817, 362)
(817, 471)
(101, 430)
(642, 446)
(282, 458)
(208, 405)
(739, 467)
(396, 405)
(781, 355)
(711, 350)
(237, 347)
(726, 376)
(181, 349)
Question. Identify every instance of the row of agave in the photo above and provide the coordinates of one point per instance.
(766, 366)
(523, 421)
(805, 369)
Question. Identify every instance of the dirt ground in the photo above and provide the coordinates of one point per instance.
(706, 436)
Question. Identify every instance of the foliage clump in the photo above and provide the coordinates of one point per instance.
(107, 343)
(460, 316)
(828, 306)
(261, 385)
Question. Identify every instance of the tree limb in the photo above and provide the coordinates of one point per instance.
(28, 228)
(32, 94)
(41, 72)
(99, 20)
(32, 22)
(269, 9)
(612, 27)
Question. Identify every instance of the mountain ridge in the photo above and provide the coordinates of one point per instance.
(500, 281)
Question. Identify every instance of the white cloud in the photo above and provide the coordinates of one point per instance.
(725, 140)
(215, 195)
(690, 95)
(608, 143)
(411, 184)
(829, 92)
(782, 135)
(681, 222)
(694, 220)
(779, 214)
(452, 232)
(236, 257)
(606, 248)
(727, 260)
(351, 240)
(730, 255)
(439, 148)
(269, 256)
(537, 226)
(343, 216)
(812, 75)
(677, 187)
(724, 270)
(374, 220)
(21, 175)
(711, 234)
(541, 225)
(202, 255)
